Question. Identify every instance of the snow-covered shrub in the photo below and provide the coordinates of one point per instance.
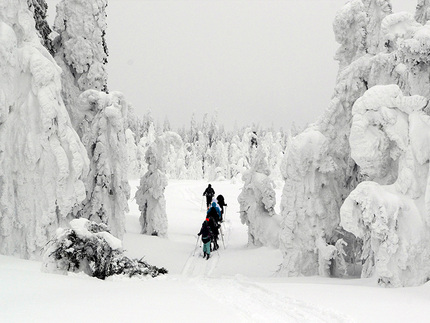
(104, 138)
(150, 194)
(90, 248)
(42, 161)
(390, 133)
(257, 202)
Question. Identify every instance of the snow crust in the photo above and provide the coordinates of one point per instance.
(42, 161)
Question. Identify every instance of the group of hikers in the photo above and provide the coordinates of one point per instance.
(212, 223)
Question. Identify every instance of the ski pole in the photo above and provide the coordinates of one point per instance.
(222, 237)
(195, 248)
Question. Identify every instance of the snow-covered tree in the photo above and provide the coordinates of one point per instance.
(89, 247)
(376, 11)
(81, 50)
(389, 139)
(134, 164)
(257, 202)
(318, 170)
(150, 194)
(105, 140)
(39, 8)
(422, 13)
(350, 32)
(42, 161)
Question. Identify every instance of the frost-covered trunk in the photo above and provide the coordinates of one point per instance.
(257, 202)
(105, 140)
(42, 161)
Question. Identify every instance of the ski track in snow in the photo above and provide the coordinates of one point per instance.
(197, 266)
(252, 301)
(255, 302)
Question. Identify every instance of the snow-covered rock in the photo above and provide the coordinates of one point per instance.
(42, 161)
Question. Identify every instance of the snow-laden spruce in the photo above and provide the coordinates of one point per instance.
(89, 247)
(105, 140)
(257, 202)
(320, 170)
(81, 50)
(389, 141)
(42, 161)
(150, 194)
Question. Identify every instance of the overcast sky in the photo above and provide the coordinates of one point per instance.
(267, 61)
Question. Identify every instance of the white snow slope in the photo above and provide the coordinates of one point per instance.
(238, 284)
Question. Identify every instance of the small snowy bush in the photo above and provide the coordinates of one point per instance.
(89, 247)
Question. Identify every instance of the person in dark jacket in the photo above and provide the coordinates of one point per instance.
(214, 226)
(221, 203)
(206, 234)
(209, 193)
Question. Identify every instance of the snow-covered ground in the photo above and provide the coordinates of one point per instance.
(238, 284)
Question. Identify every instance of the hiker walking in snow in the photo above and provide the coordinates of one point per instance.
(221, 203)
(209, 193)
(206, 234)
(216, 211)
(214, 226)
